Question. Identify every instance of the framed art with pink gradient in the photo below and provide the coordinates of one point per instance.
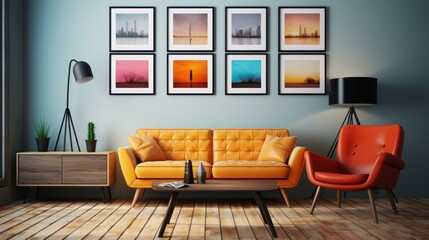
(132, 74)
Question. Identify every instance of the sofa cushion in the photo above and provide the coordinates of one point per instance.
(146, 148)
(182, 143)
(168, 169)
(277, 148)
(250, 169)
(242, 143)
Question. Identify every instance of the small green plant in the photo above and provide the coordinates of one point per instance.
(42, 128)
(91, 132)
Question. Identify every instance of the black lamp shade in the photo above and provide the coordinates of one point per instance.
(353, 91)
(82, 72)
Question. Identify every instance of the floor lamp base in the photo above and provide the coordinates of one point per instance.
(68, 125)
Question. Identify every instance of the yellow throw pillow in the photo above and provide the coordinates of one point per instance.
(146, 148)
(277, 148)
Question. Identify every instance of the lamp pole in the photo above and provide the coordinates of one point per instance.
(67, 121)
(82, 73)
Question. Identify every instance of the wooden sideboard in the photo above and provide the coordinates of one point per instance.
(85, 169)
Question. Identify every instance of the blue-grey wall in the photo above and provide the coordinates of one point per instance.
(386, 39)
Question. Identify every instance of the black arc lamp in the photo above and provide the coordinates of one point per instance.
(82, 73)
(351, 92)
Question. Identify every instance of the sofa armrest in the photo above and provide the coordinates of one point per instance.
(128, 162)
(296, 164)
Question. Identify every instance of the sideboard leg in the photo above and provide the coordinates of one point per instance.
(37, 192)
(110, 193)
(104, 195)
(25, 194)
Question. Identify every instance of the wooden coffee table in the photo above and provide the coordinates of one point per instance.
(216, 186)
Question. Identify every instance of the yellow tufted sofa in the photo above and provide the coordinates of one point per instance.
(225, 153)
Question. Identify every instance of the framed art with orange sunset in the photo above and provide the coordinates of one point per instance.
(190, 74)
(302, 29)
(302, 74)
(132, 74)
(190, 29)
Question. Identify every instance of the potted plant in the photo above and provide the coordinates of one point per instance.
(91, 142)
(42, 128)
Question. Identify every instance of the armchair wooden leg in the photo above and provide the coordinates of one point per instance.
(372, 201)
(316, 197)
(392, 202)
(137, 196)
(339, 198)
(285, 197)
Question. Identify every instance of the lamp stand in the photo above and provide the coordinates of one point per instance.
(67, 122)
(349, 120)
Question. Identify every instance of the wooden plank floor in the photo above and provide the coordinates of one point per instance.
(212, 219)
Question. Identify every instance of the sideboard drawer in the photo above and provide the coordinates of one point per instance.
(85, 169)
(39, 169)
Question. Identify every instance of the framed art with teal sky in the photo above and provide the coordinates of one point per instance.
(246, 74)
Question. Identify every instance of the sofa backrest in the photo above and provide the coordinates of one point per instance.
(182, 143)
(242, 144)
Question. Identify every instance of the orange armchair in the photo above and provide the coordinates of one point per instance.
(367, 158)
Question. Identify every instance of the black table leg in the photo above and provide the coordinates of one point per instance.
(170, 209)
(265, 214)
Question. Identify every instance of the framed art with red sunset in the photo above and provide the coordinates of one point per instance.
(302, 74)
(132, 74)
(302, 29)
(190, 74)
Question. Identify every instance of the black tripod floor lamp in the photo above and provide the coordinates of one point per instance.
(351, 92)
(82, 73)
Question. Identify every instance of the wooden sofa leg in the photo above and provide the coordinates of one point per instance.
(285, 197)
(137, 196)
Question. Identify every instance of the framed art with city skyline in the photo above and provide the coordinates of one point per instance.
(132, 73)
(302, 28)
(190, 74)
(246, 28)
(302, 73)
(190, 29)
(246, 74)
(132, 29)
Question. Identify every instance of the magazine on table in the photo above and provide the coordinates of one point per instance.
(173, 184)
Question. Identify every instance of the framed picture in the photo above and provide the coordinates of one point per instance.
(132, 74)
(246, 29)
(302, 29)
(132, 29)
(246, 74)
(302, 74)
(190, 73)
(190, 28)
